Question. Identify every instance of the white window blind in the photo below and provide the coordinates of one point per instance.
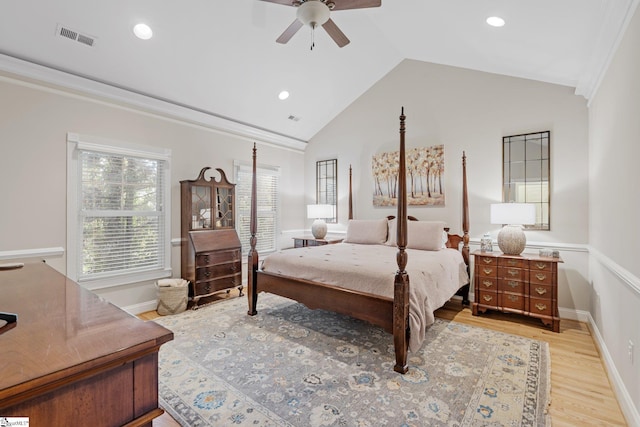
(267, 206)
(122, 222)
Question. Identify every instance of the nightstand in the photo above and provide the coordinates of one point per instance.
(303, 242)
(524, 284)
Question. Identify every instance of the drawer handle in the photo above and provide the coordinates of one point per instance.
(513, 272)
(541, 291)
(207, 288)
(541, 265)
(513, 298)
(541, 306)
(513, 284)
(487, 283)
(487, 297)
(541, 276)
(487, 270)
(487, 260)
(232, 267)
(512, 261)
(207, 273)
(206, 258)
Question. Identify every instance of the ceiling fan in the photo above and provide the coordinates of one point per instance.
(316, 12)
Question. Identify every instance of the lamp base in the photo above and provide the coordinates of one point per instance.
(512, 240)
(319, 229)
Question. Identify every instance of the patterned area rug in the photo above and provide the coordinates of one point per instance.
(290, 366)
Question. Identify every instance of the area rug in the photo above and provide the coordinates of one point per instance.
(291, 366)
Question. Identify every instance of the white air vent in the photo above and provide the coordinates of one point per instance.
(68, 33)
(294, 118)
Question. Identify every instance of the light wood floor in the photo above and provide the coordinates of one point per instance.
(581, 394)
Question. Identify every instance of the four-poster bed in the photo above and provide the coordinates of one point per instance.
(394, 308)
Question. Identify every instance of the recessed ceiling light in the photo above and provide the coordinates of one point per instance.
(283, 95)
(495, 21)
(143, 31)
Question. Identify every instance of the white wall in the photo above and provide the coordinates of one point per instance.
(471, 111)
(614, 212)
(34, 121)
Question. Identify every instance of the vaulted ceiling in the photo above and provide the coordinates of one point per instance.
(219, 58)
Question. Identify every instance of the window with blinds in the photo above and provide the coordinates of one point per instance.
(267, 206)
(121, 211)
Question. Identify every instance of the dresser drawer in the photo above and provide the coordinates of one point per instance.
(486, 261)
(512, 273)
(487, 284)
(540, 306)
(540, 266)
(540, 277)
(512, 301)
(541, 291)
(206, 287)
(206, 273)
(217, 257)
(512, 262)
(513, 286)
(488, 299)
(487, 271)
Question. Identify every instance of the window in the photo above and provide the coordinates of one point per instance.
(526, 173)
(327, 186)
(118, 212)
(267, 209)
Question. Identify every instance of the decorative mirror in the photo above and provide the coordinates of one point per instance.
(526, 169)
(327, 186)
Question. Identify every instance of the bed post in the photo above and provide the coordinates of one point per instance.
(252, 258)
(465, 228)
(401, 282)
(350, 195)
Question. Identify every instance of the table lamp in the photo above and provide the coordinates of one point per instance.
(319, 213)
(511, 238)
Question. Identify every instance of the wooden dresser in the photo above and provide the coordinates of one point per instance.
(524, 284)
(73, 358)
(213, 263)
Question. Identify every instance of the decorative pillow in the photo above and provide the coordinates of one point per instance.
(425, 235)
(367, 231)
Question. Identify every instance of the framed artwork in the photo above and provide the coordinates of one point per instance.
(425, 177)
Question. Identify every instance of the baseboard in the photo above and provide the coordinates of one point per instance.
(627, 406)
(142, 307)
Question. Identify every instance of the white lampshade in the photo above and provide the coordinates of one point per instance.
(513, 213)
(511, 239)
(319, 211)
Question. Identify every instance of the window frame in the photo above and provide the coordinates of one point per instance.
(238, 166)
(77, 143)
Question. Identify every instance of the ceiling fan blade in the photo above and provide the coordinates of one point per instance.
(353, 4)
(289, 32)
(338, 36)
(284, 2)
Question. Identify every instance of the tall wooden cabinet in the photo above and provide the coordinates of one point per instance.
(211, 255)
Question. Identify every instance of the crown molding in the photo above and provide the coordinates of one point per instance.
(141, 101)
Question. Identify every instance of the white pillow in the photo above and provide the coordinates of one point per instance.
(425, 235)
(367, 231)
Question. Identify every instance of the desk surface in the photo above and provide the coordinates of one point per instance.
(62, 330)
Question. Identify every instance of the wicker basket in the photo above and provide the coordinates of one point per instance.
(172, 296)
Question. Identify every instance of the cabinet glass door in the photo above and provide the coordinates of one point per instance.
(224, 208)
(200, 207)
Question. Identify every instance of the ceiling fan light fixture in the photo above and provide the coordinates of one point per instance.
(313, 13)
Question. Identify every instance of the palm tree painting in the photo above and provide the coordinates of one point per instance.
(425, 177)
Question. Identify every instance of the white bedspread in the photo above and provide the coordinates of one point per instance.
(434, 276)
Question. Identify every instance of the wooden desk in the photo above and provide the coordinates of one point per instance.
(73, 358)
